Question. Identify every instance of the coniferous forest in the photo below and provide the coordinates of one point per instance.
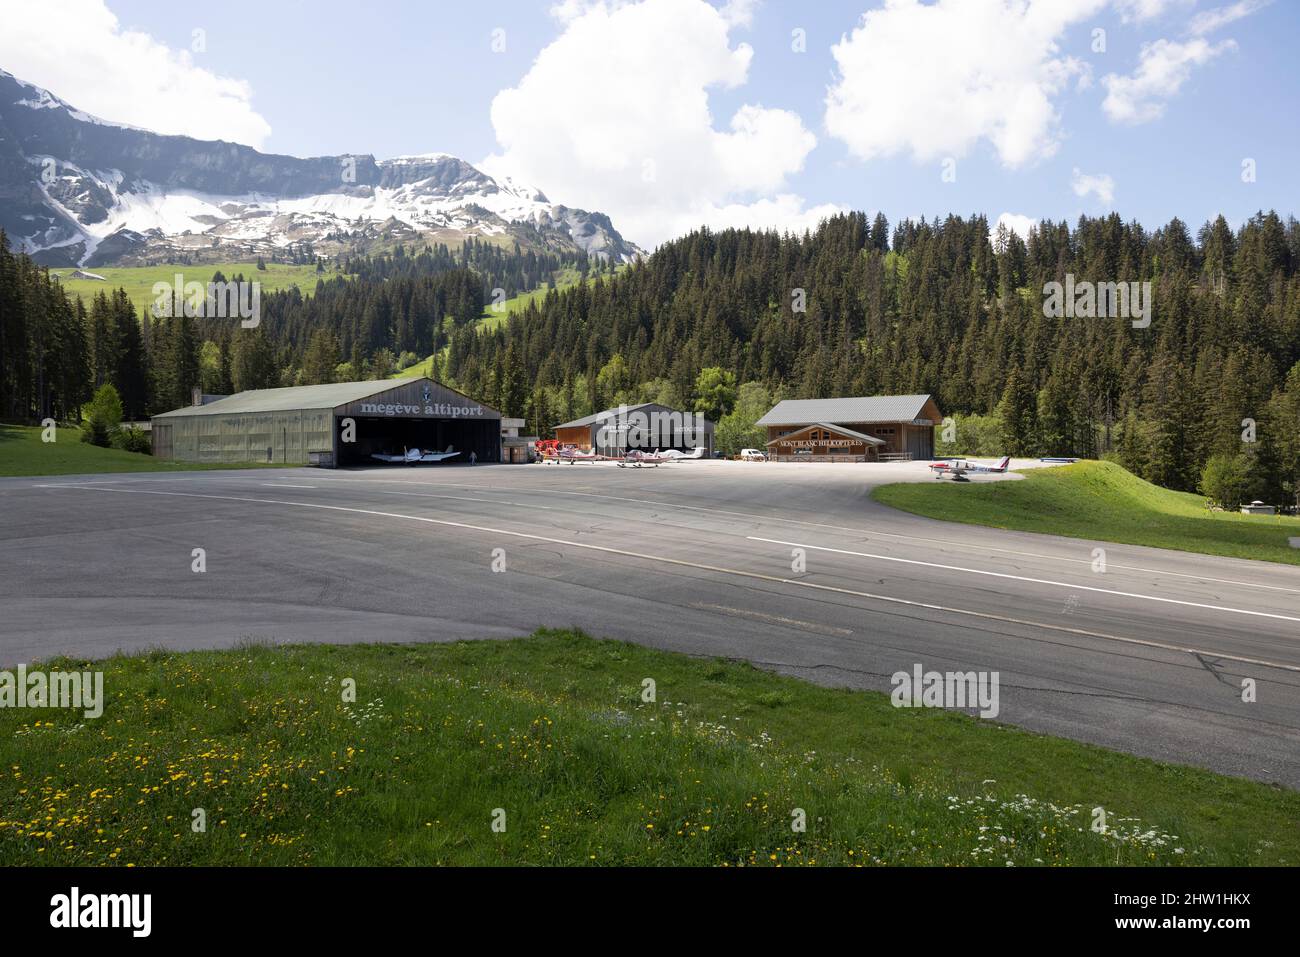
(728, 322)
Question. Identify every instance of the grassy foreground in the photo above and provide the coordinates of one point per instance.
(23, 453)
(550, 736)
(1103, 502)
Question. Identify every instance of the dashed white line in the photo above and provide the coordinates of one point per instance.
(772, 619)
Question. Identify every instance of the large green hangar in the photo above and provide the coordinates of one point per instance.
(343, 423)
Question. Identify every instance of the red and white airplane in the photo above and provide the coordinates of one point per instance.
(958, 468)
(570, 454)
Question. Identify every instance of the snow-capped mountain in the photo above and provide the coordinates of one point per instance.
(77, 190)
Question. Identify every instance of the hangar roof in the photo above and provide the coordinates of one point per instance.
(855, 409)
(839, 429)
(599, 416)
(327, 396)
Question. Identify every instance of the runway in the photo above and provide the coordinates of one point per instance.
(791, 567)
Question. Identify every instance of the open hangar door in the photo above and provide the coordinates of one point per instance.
(393, 436)
(417, 413)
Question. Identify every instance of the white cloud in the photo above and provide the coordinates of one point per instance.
(1142, 10)
(1101, 184)
(739, 13)
(784, 212)
(934, 79)
(78, 51)
(1018, 224)
(1163, 67)
(646, 149)
(1207, 21)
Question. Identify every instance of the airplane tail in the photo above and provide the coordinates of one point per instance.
(1003, 463)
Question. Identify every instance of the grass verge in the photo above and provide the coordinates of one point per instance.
(551, 735)
(23, 453)
(1103, 502)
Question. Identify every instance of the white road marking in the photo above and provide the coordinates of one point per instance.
(1024, 578)
(471, 498)
(972, 546)
(275, 485)
(773, 619)
(890, 599)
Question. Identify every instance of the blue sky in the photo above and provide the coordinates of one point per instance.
(631, 109)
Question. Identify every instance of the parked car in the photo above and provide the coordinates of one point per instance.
(752, 455)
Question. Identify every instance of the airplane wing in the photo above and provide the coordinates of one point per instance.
(955, 467)
(387, 458)
(637, 459)
(1001, 466)
(437, 456)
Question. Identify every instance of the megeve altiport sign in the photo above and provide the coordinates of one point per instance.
(443, 409)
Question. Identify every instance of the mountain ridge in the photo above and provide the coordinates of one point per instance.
(77, 190)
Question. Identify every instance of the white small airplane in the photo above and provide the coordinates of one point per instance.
(673, 455)
(637, 459)
(958, 468)
(415, 456)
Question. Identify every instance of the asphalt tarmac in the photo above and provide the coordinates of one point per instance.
(791, 567)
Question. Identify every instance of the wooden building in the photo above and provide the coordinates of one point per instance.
(645, 426)
(856, 429)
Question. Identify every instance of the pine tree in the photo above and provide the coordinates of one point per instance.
(129, 373)
(321, 359)
(514, 391)
(1016, 416)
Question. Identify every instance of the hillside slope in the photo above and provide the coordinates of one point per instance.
(139, 281)
(23, 453)
(1101, 501)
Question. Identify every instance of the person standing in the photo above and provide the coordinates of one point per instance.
(473, 457)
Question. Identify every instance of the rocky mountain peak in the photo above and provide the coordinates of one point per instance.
(82, 191)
